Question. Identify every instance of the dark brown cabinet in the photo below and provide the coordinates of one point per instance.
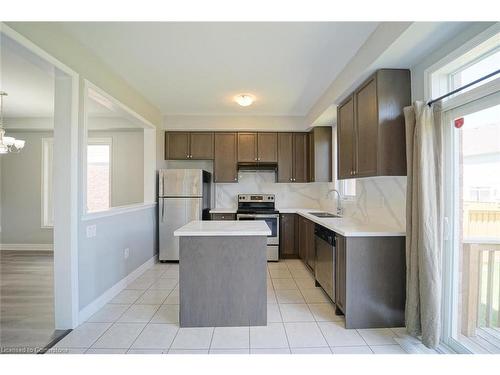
(267, 146)
(189, 145)
(371, 129)
(340, 268)
(288, 243)
(320, 154)
(247, 147)
(223, 216)
(201, 146)
(257, 147)
(225, 157)
(306, 242)
(176, 145)
(292, 157)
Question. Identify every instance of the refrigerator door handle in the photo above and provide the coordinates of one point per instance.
(162, 210)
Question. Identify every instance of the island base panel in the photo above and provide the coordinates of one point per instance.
(223, 281)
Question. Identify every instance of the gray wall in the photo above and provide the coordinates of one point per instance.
(128, 165)
(21, 194)
(417, 71)
(101, 261)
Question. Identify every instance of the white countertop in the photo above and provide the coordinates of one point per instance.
(349, 227)
(224, 228)
(345, 226)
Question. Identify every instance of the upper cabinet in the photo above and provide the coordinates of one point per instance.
(189, 145)
(371, 129)
(226, 157)
(320, 154)
(257, 147)
(292, 157)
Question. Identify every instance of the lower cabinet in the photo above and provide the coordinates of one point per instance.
(340, 258)
(288, 229)
(306, 242)
(223, 216)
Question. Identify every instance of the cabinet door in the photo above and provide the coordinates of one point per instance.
(300, 141)
(201, 146)
(340, 273)
(247, 147)
(285, 157)
(287, 236)
(267, 146)
(310, 244)
(176, 145)
(345, 139)
(302, 241)
(366, 129)
(225, 157)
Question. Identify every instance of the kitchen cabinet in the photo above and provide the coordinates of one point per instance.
(223, 216)
(225, 157)
(340, 266)
(267, 146)
(307, 248)
(292, 157)
(370, 281)
(189, 145)
(201, 145)
(257, 147)
(371, 129)
(288, 230)
(320, 154)
(176, 145)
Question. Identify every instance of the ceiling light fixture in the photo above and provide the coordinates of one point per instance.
(7, 144)
(244, 99)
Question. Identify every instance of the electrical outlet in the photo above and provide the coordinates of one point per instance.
(126, 253)
(91, 231)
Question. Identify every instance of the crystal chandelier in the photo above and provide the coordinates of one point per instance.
(7, 144)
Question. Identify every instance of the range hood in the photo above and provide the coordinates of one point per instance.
(256, 167)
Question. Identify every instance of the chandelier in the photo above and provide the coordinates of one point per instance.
(7, 144)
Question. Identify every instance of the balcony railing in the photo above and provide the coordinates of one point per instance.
(480, 290)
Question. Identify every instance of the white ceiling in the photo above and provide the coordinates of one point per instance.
(197, 68)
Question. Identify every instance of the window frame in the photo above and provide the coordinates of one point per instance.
(101, 141)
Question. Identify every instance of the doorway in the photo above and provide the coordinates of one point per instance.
(472, 238)
(38, 237)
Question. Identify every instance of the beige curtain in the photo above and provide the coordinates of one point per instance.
(424, 211)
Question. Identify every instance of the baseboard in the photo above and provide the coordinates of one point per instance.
(27, 246)
(109, 294)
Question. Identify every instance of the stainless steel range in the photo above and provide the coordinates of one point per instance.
(261, 207)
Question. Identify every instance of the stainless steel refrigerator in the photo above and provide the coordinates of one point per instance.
(183, 196)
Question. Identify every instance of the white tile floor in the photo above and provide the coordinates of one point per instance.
(144, 318)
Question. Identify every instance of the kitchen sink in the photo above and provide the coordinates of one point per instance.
(324, 214)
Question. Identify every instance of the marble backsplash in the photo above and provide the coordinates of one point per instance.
(380, 199)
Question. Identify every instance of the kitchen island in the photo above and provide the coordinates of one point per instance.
(222, 273)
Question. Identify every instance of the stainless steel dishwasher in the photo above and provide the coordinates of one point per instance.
(324, 271)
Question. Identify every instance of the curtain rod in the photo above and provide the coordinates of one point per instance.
(463, 87)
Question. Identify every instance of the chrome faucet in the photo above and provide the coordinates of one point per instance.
(340, 211)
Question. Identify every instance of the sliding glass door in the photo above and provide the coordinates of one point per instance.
(471, 259)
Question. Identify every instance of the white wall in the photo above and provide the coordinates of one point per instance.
(21, 194)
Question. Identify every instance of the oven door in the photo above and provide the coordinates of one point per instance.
(272, 222)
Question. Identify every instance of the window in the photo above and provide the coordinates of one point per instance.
(98, 174)
(347, 189)
(466, 65)
(47, 175)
